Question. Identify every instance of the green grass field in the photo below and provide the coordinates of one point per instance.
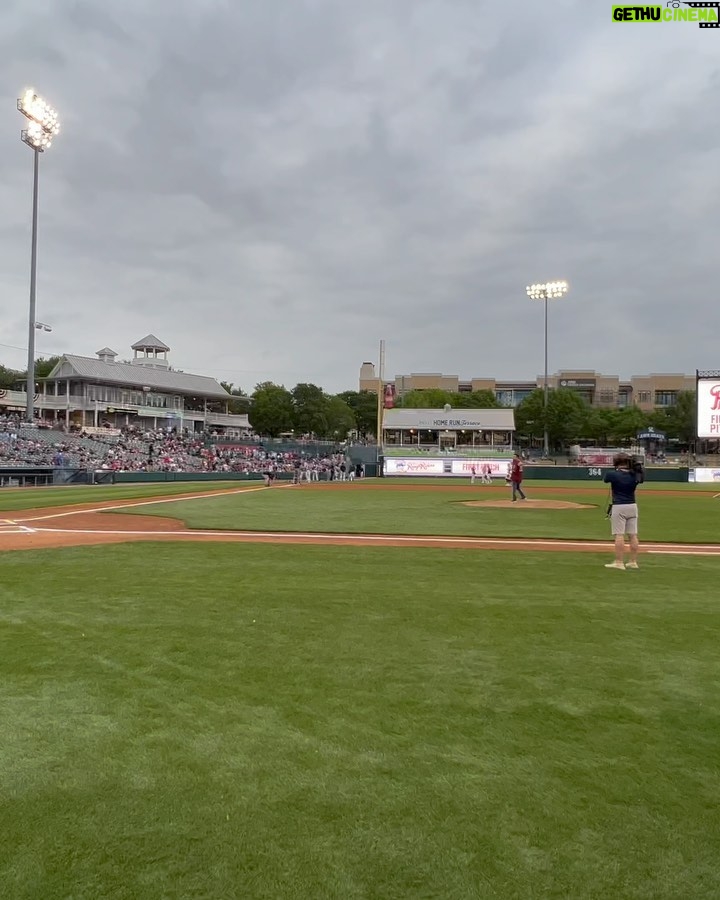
(14, 499)
(258, 721)
(245, 721)
(355, 508)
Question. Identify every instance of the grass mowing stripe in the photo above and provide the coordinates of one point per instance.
(44, 498)
(663, 517)
(334, 722)
(140, 504)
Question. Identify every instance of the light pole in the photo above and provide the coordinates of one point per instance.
(551, 290)
(42, 127)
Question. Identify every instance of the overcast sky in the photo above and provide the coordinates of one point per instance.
(272, 187)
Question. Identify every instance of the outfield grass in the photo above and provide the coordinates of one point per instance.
(354, 508)
(306, 722)
(587, 484)
(13, 499)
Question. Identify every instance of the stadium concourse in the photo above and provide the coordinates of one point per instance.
(162, 450)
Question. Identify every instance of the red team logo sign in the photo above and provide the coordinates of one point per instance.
(715, 394)
(708, 406)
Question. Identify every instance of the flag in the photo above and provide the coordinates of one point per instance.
(389, 399)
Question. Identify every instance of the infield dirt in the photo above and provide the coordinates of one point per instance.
(101, 523)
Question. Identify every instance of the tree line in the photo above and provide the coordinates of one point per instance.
(306, 409)
(570, 419)
(11, 378)
(273, 409)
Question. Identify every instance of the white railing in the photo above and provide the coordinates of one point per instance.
(228, 420)
(43, 402)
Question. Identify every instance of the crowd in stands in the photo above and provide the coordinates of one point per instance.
(162, 450)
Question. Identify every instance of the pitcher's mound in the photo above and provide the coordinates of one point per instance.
(528, 504)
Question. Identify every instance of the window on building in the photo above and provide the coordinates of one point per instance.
(623, 399)
(511, 398)
(644, 397)
(665, 398)
(607, 396)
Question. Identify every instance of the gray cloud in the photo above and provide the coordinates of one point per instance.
(273, 188)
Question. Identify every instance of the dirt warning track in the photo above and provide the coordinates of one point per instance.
(101, 523)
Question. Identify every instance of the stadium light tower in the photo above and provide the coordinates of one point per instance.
(551, 290)
(43, 125)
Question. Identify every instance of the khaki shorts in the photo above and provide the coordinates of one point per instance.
(624, 518)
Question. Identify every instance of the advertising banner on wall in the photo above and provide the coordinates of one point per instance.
(396, 466)
(499, 468)
(708, 408)
(460, 468)
(705, 475)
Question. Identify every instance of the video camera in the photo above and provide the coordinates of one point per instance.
(633, 463)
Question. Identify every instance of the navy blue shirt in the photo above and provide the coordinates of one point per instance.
(623, 485)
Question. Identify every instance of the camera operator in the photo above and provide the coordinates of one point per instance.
(623, 512)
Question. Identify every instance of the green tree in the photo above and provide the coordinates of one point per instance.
(365, 406)
(567, 413)
(530, 415)
(484, 400)
(433, 398)
(682, 418)
(436, 398)
(659, 419)
(240, 402)
(599, 425)
(43, 367)
(271, 412)
(627, 422)
(340, 419)
(9, 378)
(310, 406)
(566, 416)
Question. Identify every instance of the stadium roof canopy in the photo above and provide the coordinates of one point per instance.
(449, 420)
(85, 368)
(150, 342)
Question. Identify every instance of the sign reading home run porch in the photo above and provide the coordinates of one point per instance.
(454, 420)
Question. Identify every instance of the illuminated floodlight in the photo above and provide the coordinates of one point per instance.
(44, 123)
(550, 290)
(42, 126)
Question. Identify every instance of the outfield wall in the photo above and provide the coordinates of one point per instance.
(456, 468)
(596, 473)
(19, 477)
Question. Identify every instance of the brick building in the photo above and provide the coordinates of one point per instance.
(648, 392)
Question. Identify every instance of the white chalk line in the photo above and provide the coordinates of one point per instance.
(529, 543)
(137, 503)
(385, 539)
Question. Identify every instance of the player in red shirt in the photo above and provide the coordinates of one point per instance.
(516, 477)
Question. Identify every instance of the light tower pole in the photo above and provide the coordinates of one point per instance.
(550, 290)
(43, 126)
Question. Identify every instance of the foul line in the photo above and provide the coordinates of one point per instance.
(134, 504)
(389, 540)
